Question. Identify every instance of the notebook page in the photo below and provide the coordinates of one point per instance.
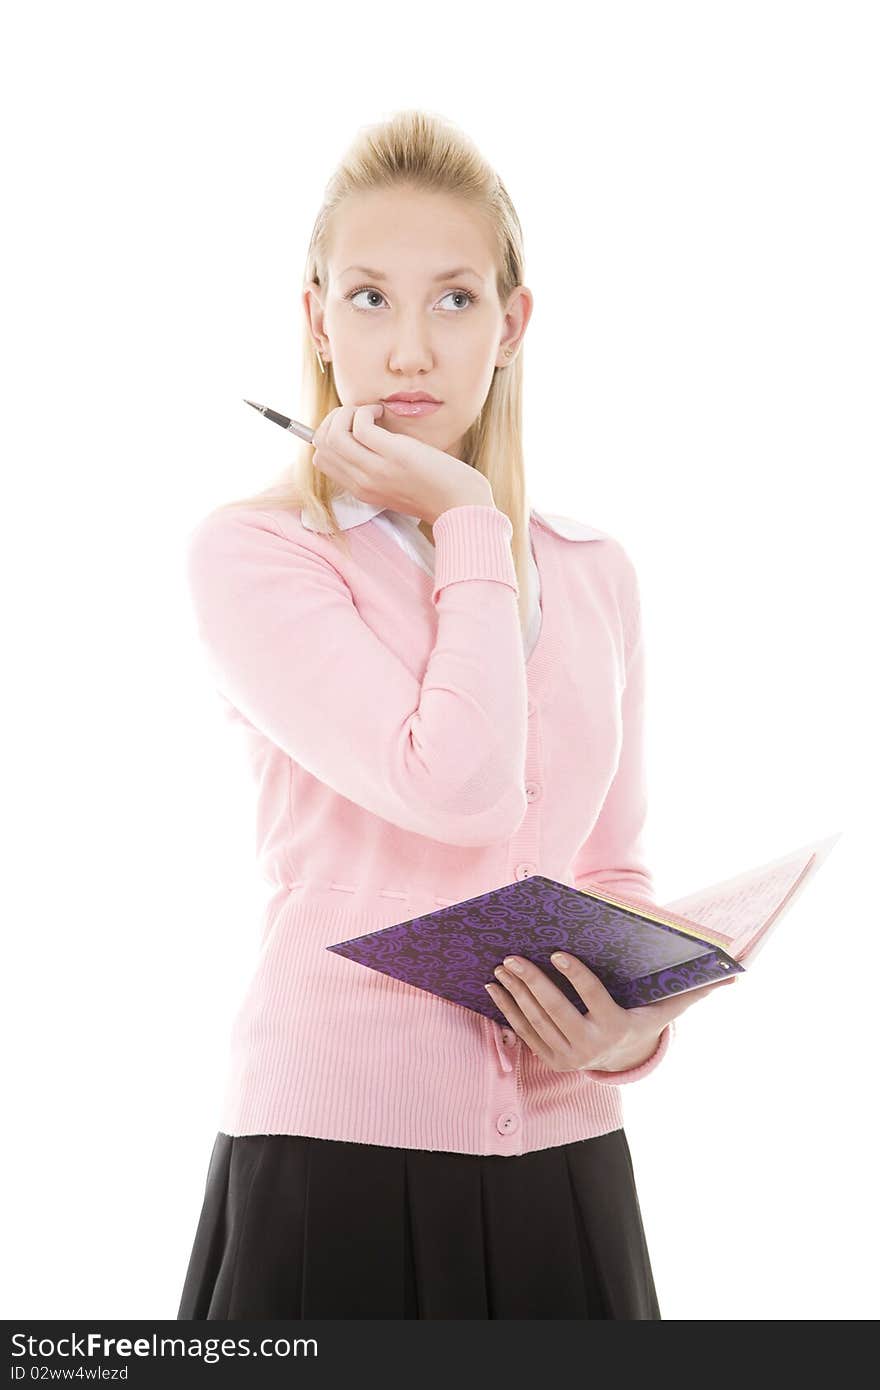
(745, 905)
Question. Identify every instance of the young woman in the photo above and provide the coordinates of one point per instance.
(442, 691)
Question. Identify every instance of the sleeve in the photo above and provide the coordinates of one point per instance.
(442, 756)
(613, 857)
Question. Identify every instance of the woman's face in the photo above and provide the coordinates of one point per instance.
(391, 318)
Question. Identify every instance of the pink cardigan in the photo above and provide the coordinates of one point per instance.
(406, 756)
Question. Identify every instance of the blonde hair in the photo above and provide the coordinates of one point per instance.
(417, 150)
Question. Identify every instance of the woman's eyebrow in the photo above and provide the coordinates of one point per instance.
(443, 275)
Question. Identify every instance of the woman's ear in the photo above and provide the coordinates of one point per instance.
(314, 309)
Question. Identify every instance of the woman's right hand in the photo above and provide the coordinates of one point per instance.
(393, 470)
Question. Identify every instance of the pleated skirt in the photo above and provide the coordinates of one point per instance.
(293, 1226)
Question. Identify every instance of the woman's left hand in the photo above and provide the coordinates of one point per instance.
(607, 1038)
(381, 466)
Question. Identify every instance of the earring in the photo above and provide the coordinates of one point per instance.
(508, 351)
(320, 360)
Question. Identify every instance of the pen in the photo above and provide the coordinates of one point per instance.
(293, 425)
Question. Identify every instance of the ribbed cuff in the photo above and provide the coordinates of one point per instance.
(621, 1078)
(473, 542)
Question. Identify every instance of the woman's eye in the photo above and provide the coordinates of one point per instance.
(467, 295)
(355, 293)
(461, 294)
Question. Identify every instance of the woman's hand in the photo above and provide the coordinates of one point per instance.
(393, 470)
(607, 1038)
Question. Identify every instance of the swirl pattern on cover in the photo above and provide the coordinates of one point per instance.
(453, 952)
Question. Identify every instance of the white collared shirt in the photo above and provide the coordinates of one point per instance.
(404, 529)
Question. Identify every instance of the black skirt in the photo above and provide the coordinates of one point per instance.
(299, 1227)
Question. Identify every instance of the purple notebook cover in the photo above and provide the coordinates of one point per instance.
(454, 951)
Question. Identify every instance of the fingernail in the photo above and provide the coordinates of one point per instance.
(561, 961)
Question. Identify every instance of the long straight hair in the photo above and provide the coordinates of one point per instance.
(417, 150)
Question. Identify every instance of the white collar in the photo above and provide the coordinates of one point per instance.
(351, 511)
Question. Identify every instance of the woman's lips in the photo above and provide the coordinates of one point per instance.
(412, 407)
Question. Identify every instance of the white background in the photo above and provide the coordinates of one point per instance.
(698, 189)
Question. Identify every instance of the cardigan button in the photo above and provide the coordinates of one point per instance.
(508, 1123)
(507, 1037)
(524, 870)
(531, 706)
(533, 791)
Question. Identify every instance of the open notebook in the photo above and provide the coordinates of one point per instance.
(640, 951)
